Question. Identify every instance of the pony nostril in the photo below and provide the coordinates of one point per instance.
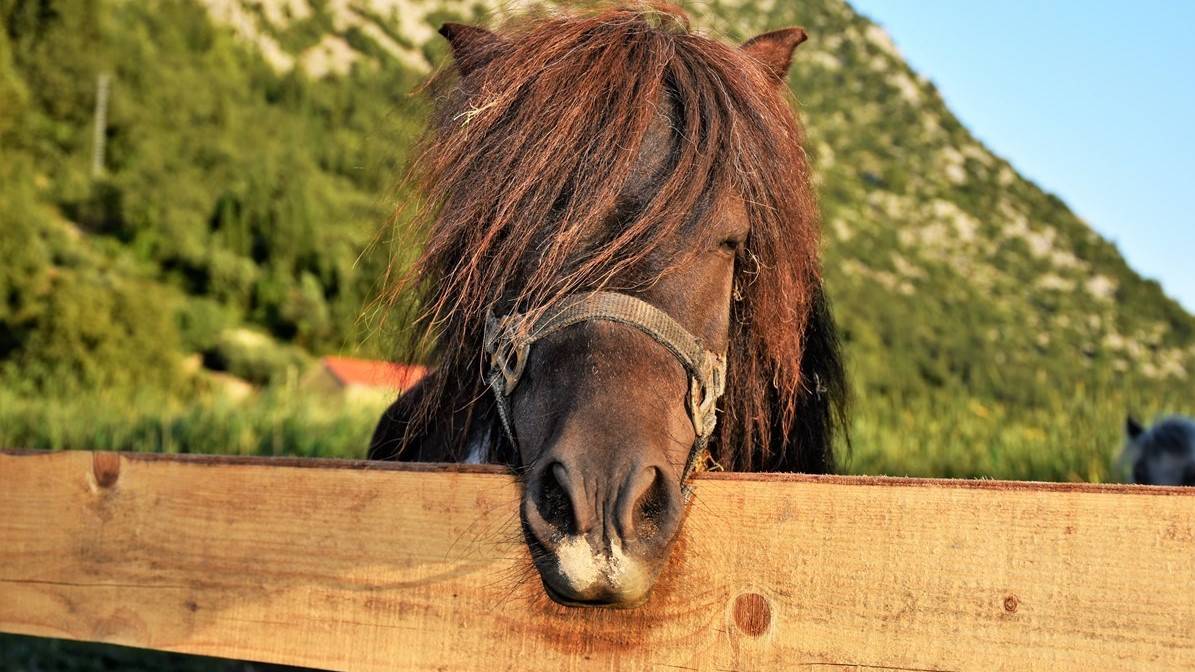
(555, 505)
(646, 505)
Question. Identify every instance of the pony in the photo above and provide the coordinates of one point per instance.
(620, 282)
(1163, 454)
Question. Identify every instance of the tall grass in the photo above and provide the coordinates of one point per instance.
(1075, 438)
(276, 421)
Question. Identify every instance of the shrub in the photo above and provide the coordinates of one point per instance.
(97, 330)
(255, 357)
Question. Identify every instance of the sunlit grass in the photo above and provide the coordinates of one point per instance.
(929, 436)
(938, 435)
(275, 421)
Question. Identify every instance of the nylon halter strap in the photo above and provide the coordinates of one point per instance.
(508, 340)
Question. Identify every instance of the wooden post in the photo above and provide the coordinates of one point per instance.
(353, 565)
(99, 133)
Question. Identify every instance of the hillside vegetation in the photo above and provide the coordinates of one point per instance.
(251, 153)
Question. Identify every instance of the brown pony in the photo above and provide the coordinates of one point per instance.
(616, 150)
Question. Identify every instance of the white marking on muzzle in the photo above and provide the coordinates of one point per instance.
(578, 564)
(581, 566)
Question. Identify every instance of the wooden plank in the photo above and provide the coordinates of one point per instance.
(360, 566)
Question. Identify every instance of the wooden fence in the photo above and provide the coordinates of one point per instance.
(352, 565)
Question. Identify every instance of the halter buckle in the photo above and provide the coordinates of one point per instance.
(507, 347)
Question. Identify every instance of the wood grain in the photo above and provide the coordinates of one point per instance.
(357, 566)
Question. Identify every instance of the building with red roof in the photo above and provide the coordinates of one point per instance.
(366, 377)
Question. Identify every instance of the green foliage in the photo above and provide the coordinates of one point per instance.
(12, 90)
(279, 420)
(254, 357)
(1068, 438)
(99, 330)
(201, 323)
(225, 182)
(25, 271)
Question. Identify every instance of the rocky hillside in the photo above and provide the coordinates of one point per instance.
(252, 145)
(920, 216)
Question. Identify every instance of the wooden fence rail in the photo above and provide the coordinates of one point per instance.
(352, 565)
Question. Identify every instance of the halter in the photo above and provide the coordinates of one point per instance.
(508, 340)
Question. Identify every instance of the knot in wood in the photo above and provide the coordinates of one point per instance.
(752, 613)
(106, 469)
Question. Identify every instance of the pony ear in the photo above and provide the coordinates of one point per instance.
(774, 50)
(472, 47)
(1133, 428)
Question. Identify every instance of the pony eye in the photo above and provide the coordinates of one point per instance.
(730, 245)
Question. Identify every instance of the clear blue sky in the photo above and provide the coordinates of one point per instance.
(1093, 100)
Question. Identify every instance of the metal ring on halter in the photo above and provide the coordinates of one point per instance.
(508, 340)
(507, 350)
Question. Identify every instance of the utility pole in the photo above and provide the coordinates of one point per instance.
(101, 124)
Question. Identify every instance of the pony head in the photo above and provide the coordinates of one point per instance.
(1163, 454)
(617, 150)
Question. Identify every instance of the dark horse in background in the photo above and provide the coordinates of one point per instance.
(621, 237)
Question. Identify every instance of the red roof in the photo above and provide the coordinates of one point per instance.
(373, 373)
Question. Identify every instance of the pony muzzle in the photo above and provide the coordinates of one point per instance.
(600, 542)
